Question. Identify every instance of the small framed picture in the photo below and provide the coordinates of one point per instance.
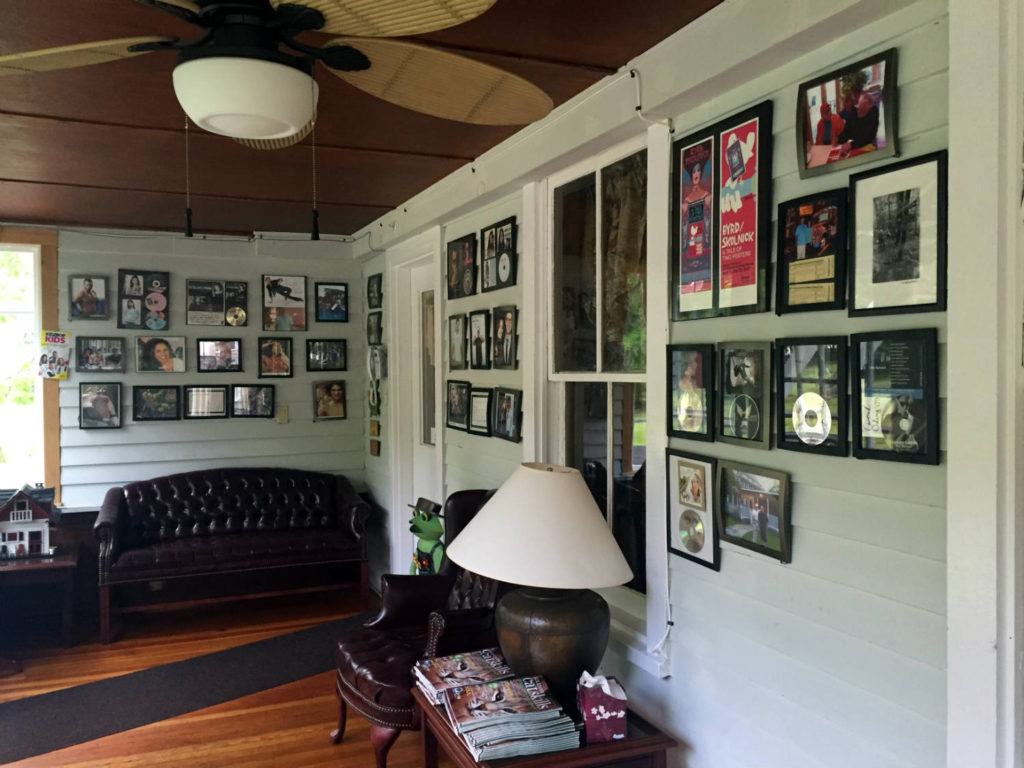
(498, 255)
(375, 447)
(692, 531)
(156, 403)
(847, 117)
(457, 343)
(744, 416)
(461, 267)
(99, 405)
(691, 385)
(206, 402)
(326, 355)
(457, 405)
(236, 303)
(480, 340)
(898, 221)
(374, 327)
(811, 390)
(375, 291)
(99, 353)
(252, 401)
(895, 395)
(374, 428)
(503, 351)
(275, 357)
(480, 411)
(87, 298)
(145, 300)
(220, 355)
(331, 302)
(284, 303)
(506, 414)
(205, 302)
(811, 271)
(753, 509)
(162, 354)
(328, 400)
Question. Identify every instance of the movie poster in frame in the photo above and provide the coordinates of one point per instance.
(691, 385)
(811, 253)
(744, 401)
(692, 529)
(810, 384)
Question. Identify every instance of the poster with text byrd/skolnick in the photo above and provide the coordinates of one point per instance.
(738, 218)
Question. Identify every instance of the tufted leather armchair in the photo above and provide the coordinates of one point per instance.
(420, 617)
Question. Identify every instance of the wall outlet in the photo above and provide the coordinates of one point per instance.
(282, 414)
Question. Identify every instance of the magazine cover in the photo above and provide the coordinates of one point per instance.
(485, 704)
(438, 674)
(55, 352)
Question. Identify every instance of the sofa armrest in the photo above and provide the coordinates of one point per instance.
(455, 631)
(107, 527)
(408, 600)
(352, 508)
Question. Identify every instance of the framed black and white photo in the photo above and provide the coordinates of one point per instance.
(507, 414)
(503, 349)
(691, 387)
(204, 302)
(898, 221)
(480, 339)
(252, 401)
(498, 255)
(275, 357)
(375, 291)
(811, 269)
(205, 402)
(219, 355)
(457, 405)
(744, 411)
(99, 405)
(480, 411)
(895, 395)
(284, 303)
(326, 355)
(329, 400)
(87, 298)
(753, 509)
(374, 327)
(692, 530)
(100, 353)
(160, 354)
(331, 302)
(457, 343)
(144, 300)
(461, 267)
(156, 403)
(811, 389)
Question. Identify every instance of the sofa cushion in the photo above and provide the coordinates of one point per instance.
(378, 665)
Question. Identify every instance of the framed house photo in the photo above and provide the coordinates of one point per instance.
(457, 360)
(506, 414)
(275, 357)
(219, 355)
(848, 116)
(811, 253)
(99, 405)
(328, 400)
(461, 266)
(374, 327)
(87, 298)
(375, 291)
(161, 354)
(898, 221)
(206, 402)
(691, 389)
(100, 353)
(692, 530)
(753, 509)
(811, 390)
(326, 355)
(503, 348)
(895, 395)
(144, 300)
(284, 303)
(498, 255)
(480, 411)
(252, 401)
(156, 403)
(480, 339)
(744, 410)
(457, 405)
(331, 302)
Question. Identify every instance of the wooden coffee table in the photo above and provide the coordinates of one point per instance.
(644, 745)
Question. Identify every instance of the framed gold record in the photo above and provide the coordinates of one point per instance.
(692, 529)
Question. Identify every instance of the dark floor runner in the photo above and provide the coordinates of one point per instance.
(59, 719)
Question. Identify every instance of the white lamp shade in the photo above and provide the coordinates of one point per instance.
(245, 98)
(542, 529)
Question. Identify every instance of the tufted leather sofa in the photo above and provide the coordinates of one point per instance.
(219, 521)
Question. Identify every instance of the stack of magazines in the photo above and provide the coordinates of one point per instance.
(508, 718)
(435, 676)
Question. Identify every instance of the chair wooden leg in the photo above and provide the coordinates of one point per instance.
(382, 739)
(339, 732)
(105, 614)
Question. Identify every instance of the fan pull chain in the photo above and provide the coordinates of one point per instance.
(188, 185)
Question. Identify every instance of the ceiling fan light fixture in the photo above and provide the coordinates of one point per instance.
(245, 98)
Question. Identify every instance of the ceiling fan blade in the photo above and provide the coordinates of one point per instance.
(70, 56)
(392, 18)
(290, 141)
(445, 84)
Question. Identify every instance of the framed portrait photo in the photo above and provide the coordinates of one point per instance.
(848, 116)
(329, 400)
(692, 529)
(691, 389)
(326, 355)
(156, 403)
(753, 509)
(275, 357)
(480, 411)
(99, 405)
(375, 291)
(480, 339)
(811, 269)
(284, 303)
(744, 410)
(374, 327)
(457, 360)
(457, 405)
(87, 298)
(331, 302)
(219, 355)
(252, 401)
(100, 353)
(506, 414)
(461, 267)
(898, 220)
(503, 347)
(498, 255)
(205, 402)
(160, 354)
(144, 300)
(811, 390)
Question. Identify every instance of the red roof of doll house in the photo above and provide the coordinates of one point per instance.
(40, 501)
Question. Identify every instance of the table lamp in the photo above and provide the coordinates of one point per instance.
(543, 531)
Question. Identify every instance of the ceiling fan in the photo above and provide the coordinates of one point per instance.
(248, 77)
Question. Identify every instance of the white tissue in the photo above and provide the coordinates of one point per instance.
(610, 687)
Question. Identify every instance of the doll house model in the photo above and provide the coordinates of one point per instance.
(26, 516)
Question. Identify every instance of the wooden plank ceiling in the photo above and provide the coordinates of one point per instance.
(104, 145)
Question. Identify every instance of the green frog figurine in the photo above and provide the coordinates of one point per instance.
(427, 527)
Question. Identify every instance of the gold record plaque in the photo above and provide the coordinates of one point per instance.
(691, 508)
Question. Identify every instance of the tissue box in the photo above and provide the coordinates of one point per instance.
(604, 716)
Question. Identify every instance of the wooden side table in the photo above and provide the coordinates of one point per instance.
(57, 569)
(644, 745)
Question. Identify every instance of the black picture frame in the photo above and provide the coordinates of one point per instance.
(328, 404)
(99, 405)
(507, 414)
(100, 354)
(691, 391)
(156, 403)
(479, 344)
(331, 302)
(284, 303)
(252, 401)
(498, 255)
(219, 355)
(205, 302)
(811, 253)
(375, 291)
(326, 355)
(748, 498)
(461, 267)
(505, 337)
(480, 411)
(276, 362)
(374, 327)
(458, 360)
(457, 404)
(205, 402)
(88, 297)
(744, 389)
(810, 391)
(692, 526)
(144, 300)
(160, 354)
(895, 402)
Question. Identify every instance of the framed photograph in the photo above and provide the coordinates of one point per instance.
(252, 401)
(99, 353)
(503, 350)
(374, 428)
(328, 400)
(898, 220)
(461, 267)
(284, 303)
(811, 269)
(847, 117)
(480, 339)
(374, 327)
(326, 355)
(87, 298)
(156, 403)
(498, 255)
(480, 411)
(375, 291)
(721, 217)
(753, 509)
(692, 531)
(691, 389)
(221, 355)
(162, 354)
(206, 402)
(99, 405)
(506, 414)
(275, 357)
(236, 303)
(457, 360)
(457, 405)
(744, 416)
(895, 395)
(145, 300)
(375, 447)
(331, 302)
(205, 302)
(810, 386)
